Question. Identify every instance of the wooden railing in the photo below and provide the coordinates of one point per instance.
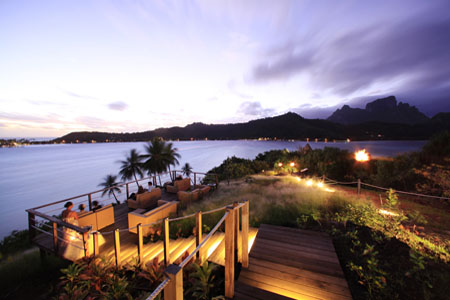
(58, 225)
(173, 284)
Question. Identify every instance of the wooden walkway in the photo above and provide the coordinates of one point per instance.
(288, 263)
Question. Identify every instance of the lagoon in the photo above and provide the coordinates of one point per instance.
(39, 174)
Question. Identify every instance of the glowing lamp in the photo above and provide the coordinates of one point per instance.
(292, 164)
(320, 184)
(309, 183)
(298, 179)
(280, 164)
(387, 213)
(362, 155)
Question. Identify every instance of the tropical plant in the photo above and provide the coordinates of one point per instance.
(131, 166)
(155, 162)
(171, 156)
(110, 185)
(187, 169)
(203, 280)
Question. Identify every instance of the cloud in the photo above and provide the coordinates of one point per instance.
(254, 108)
(408, 58)
(232, 86)
(119, 105)
(76, 95)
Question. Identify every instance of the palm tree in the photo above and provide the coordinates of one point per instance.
(111, 185)
(187, 169)
(155, 162)
(131, 166)
(171, 156)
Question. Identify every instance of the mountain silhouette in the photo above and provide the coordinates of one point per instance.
(384, 110)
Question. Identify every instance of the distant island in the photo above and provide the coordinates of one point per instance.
(382, 119)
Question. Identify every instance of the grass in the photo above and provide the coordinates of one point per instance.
(26, 276)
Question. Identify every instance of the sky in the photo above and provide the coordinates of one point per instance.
(127, 66)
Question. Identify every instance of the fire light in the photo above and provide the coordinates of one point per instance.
(320, 184)
(362, 155)
(298, 179)
(309, 182)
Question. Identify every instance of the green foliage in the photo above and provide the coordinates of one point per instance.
(131, 166)
(110, 185)
(159, 156)
(391, 199)
(15, 242)
(234, 167)
(202, 280)
(438, 146)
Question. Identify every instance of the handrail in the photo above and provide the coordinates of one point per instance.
(158, 290)
(187, 259)
(58, 221)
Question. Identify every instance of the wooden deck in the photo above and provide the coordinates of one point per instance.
(288, 263)
(214, 250)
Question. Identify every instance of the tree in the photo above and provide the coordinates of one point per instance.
(171, 156)
(131, 166)
(187, 169)
(109, 183)
(155, 162)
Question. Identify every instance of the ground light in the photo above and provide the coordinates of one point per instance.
(362, 155)
(388, 213)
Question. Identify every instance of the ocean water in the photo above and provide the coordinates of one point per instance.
(39, 174)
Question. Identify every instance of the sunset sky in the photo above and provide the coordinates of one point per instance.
(126, 66)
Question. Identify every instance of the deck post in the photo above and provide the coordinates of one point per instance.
(55, 237)
(245, 225)
(128, 191)
(154, 180)
(96, 246)
(85, 244)
(198, 236)
(117, 246)
(229, 253)
(217, 182)
(90, 201)
(31, 224)
(140, 244)
(236, 229)
(166, 243)
(195, 179)
(174, 290)
(359, 186)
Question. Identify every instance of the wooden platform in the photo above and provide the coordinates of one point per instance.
(288, 263)
(214, 250)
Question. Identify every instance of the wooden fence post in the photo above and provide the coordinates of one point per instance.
(31, 224)
(90, 201)
(117, 246)
(55, 237)
(195, 179)
(85, 244)
(128, 192)
(236, 229)
(359, 186)
(198, 237)
(229, 253)
(245, 225)
(174, 290)
(166, 243)
(140, 244)
(96, 245)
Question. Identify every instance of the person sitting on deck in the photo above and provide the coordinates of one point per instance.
(96, 205)
(150, 186)
(179, 177)
(82, 208)
(70, 217)
(133, 196)
(141, 190)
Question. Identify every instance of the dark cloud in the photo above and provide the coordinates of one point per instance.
(119, 105)
(414, 52)
(254, 108)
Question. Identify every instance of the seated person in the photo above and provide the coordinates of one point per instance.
(179, 177)
(150, 186)
(96, 205)
(141, 190)
(82, 208)
(133, 196)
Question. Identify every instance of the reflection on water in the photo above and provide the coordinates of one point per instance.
(35, 175)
